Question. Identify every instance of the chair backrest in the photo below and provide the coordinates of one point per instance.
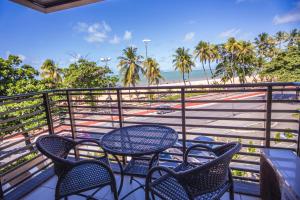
(56, 148)
(211, 175)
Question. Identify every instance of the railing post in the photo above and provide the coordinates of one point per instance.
(48, 113)
(120, 113)
(268, 116)
(120, 110)
(183, 127)
(298, 142)
(1, 191)
(72, 121)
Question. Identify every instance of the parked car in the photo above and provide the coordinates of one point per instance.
(166, 109)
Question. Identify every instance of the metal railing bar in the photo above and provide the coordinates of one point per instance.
(22, 132)
(15, 159)
(22, 116)
(21, 108)
(18, 183)
(20, 165)
(25, 171)
(225, 101)
(89, 126)
(11, 128)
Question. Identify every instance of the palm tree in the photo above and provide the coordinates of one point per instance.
(130, 65)
(183, 62)
(152, 71)
(281, 37)
(51, 73)
(224, 71)
(245, 55)
(265, 45)
(214, 56)
(202, 52)
(294, 36)
(232, 47)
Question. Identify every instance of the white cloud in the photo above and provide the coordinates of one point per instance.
(95, 33)
(290, 17)
(127, 35)
(22, 57)
(189, 36)
(230, 33)
(287, 18)
(106, 26)
(115, 40)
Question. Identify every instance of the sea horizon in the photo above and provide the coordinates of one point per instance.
(176, 76)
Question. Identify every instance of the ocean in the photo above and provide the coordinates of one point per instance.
(175, 77)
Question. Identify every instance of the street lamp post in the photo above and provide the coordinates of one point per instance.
(146, 41)
(105, 60)
(109, 99)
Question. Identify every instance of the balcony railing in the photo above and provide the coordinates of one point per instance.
(257, 115)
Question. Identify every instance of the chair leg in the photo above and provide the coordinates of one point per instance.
(231, 193)
(147, 193)
(131, 179)
(115, 192)
(152, 196)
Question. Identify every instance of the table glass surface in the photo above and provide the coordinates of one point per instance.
(139, 140)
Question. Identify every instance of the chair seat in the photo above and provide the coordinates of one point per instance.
(84, 177)
(168, 188)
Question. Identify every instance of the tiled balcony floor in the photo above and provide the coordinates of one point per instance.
(47, 190)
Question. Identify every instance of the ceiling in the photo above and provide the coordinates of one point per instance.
(47, 6)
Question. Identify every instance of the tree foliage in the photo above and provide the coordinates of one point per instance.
(87, 74)
(182, 61)
(284, 67)
(130, 64)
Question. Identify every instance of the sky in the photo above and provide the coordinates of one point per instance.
(104, 29)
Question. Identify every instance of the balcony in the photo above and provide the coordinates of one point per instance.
(257, 115)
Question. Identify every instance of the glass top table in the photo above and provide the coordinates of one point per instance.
(139, 140)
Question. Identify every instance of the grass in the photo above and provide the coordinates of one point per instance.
(174, 97)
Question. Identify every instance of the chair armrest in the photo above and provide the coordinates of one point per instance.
(194, 147)
(88, 141)
(159, 169)
(80, 142)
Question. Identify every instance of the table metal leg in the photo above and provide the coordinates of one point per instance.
(121, 174)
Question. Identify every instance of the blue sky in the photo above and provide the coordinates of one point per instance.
(104, 29)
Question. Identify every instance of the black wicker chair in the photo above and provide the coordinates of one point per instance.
(76, 176)
(200, 181)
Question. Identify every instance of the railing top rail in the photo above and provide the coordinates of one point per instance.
(254, 85)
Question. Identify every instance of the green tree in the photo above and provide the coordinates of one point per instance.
(130, 64)
(285, 67)
(51, 74)
(281, 37)
(223, 68)
(87, 74)
(152, 71)
(183, 62)
(202, 51)
(246, 56)
(294, 37)
(214, 56)
(265, 45)
(25, 115)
